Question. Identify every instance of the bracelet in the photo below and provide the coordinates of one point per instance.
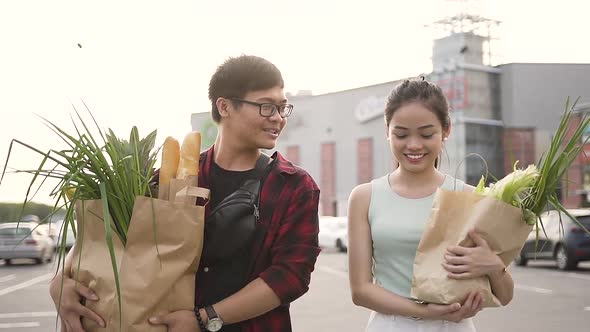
(417, 302)
(200, 320)
(500, 273)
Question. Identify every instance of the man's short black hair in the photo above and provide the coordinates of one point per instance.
(239, 75)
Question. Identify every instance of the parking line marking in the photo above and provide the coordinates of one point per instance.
(7, 278)
(15, 325)
(534, 289)
(578, 276)
(28, 314)
(587, 308)
(25, 284)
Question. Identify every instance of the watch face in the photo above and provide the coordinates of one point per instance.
(214, 324)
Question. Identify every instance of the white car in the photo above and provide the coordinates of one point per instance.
(51, 229)
(31, 218)
(334, 233)
(70, 237)
(25, 240)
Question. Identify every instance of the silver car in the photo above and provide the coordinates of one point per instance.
(70, 237)
(567, 243)
(25, 240)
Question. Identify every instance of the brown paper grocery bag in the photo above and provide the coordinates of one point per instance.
(453, 214)
(178, 190)
(91, 263)
(153, 279)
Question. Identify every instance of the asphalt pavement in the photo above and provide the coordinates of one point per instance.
(546, 300)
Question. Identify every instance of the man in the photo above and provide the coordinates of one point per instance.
(250, 291)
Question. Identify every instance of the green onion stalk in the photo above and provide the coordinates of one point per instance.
(534, 189)
(91, 167)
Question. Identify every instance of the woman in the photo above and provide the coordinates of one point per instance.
(387, 217)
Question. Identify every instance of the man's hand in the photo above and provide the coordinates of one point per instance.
(178, 321)
(71, 309)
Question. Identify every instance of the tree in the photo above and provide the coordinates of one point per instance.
(13, 211)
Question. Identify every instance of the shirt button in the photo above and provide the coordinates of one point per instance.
(206, 269)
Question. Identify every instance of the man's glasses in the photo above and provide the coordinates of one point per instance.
(269, 109)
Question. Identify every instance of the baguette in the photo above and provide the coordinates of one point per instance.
(189, 155)
(170, 160)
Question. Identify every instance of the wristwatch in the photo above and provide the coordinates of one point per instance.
(214, 323)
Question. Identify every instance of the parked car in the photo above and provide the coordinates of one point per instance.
(51, 229)
(54, 230)
(334, 233)
(31, 218)
(70, 237)
(567, 246)
(25, 240)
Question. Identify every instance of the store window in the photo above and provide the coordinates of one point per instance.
(364, 160)
(293, 154)
(328, 178)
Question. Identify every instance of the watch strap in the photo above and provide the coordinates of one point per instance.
(211, 313)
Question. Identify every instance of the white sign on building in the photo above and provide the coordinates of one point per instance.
(370, 108)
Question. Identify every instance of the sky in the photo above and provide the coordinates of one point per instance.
(148, 63)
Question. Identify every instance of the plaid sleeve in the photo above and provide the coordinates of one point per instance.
(295, 250)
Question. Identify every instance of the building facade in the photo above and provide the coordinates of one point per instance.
(501, 113)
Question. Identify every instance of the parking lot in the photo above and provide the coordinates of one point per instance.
(546, 299)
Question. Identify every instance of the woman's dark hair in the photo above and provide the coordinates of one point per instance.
(239, 75)
(426, 93)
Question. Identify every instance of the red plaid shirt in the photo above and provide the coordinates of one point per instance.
(289, 210)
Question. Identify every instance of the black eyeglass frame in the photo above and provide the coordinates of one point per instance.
(287, 108)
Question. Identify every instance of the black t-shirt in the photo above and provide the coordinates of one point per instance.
(226, 277)
(224, 182)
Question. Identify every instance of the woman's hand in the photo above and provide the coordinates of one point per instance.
(71, 309)
(178, 321)
(468, 263)
(456, 312)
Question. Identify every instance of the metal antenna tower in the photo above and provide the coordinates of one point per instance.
(467, 20)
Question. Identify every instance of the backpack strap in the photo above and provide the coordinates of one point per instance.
(262, 168)
(261, 165)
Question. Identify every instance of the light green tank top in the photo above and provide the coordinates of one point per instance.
(397, 224)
